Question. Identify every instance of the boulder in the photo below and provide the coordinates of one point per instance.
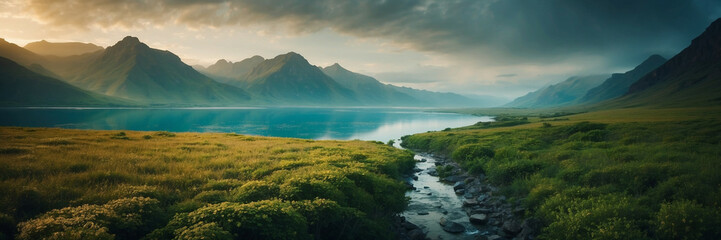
(512, 227)
(459, 185)
(453, 227)
(478, 219)
(416, 234)
(409, 226)
(470, 202)
(460, 191)
(422, 213)
(443, 221)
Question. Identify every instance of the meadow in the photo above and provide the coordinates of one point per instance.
(615, 174)
(87, 184)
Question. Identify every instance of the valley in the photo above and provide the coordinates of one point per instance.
(482, 120)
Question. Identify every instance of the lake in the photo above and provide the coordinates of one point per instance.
(381, 124)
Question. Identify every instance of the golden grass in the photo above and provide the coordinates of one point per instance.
(74, 167)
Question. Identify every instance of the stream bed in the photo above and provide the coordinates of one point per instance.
(459, 206)
(432, 200)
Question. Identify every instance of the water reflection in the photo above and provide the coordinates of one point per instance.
(379, 124)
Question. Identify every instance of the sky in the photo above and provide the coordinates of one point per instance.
(503, 48)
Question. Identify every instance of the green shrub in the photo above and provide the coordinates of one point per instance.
(572, 216)
(582, 127)
(469, 152)
(444, 171)
(120, 135)
(595, 135)
(268, 219)
(686, 219)
(212, 196)
(308, 189)
(128, 218)
(255, 191)
(202, 231)
(618, 228)
(328, 220)
(506, 172)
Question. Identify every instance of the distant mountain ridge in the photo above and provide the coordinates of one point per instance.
(62, 49)
(618, 84)
(235, 70)
(132, 70)
(691, 78)
(368, 90)
(560, 94)
(289, 78)
(18, 54)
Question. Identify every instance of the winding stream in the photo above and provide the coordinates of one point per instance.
(431, 200)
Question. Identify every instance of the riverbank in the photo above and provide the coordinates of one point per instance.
(613, 177)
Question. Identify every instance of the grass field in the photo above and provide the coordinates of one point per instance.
(72, 184)
(613, 174)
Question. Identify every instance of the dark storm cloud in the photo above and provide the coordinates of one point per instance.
(490, 31)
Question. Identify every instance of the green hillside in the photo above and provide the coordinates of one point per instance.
(20, 86)
(691, 78)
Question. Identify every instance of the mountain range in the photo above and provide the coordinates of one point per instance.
(279, 80)
(130, 69)
(560, 94)
(132, 73)
(617, 85)
(691, 78)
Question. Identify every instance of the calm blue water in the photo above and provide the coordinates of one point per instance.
(380, 124)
